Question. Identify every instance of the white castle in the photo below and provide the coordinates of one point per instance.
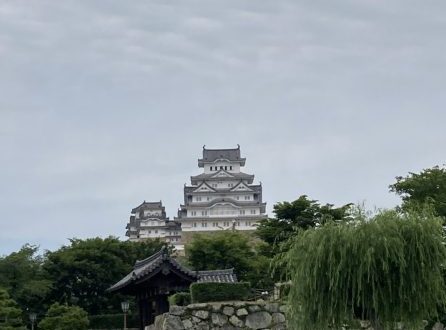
(221, 198)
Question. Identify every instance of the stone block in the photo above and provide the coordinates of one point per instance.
(202, 326)
(254, 308)
(239, 304)
(188, 324)
(219, 319)
(242, 312)
(227, 327)
(272, 307)
(201, 314)
(235, 321)
(177, 310)
(196, 320)
(228, 310)
(216, 307)
(281, 326)
(198, 306)
(172, 322)
(258, 320)
(278, 318)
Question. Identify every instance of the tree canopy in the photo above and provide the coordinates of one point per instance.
(386, 269)
(230, 249)
(426, 187)
(10, 313)
(302, 213)
(83, 270)
(21, 273)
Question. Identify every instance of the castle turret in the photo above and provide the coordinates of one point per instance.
(149, 221)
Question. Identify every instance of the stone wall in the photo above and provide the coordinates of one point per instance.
(223, 315)
(233, 315)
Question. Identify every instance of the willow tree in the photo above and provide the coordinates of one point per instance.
(386, 269)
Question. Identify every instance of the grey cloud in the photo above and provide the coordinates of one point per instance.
(103, 105)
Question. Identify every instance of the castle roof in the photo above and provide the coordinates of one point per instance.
(211, 155)
(216, 177)
(149, 206)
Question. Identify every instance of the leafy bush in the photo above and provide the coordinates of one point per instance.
(63, 317)
(112, 321)
(385, 269)
(205, 292)
(180, 299)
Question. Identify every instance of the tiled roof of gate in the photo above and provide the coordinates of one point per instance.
(224, 275)
(144, 267)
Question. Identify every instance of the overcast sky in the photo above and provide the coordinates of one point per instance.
(104, 104)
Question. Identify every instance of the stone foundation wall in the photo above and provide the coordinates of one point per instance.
(223, 315)
(235, 315)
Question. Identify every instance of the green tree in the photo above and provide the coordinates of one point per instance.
(426, 187)
(63, 317)
(83, 270)
(303, 213)
(229, 249)
(385, 269)
(10, 313)
(22, 275)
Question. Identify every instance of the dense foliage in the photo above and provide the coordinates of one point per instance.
(426, 187)
(385, 269)
(303, 213)
(76, 274)
(22, 275)
(10, 313)
(63, 317)
(82, 271)
(230, 249)
(206, 292)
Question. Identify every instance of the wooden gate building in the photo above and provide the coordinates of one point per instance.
(159, 276)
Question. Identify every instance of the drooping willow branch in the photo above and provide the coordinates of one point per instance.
(386, 269)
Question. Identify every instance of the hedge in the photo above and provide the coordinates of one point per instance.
(113, 321)
(206, 292)
(180, 299)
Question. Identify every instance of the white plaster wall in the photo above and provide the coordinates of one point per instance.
(218, 164)
(218, 224)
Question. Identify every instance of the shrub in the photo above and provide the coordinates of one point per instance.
(63, 317)
(205, 292)
(112, 321)
(180, 299)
